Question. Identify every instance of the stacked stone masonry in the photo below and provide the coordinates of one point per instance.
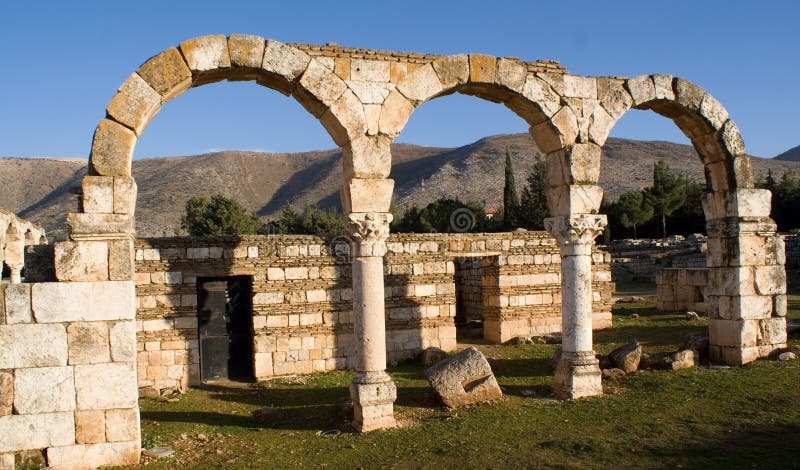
(302, 297)
(682, 289)
(15, 235)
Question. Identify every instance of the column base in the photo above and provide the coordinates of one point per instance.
(373, 395)
(578, 375)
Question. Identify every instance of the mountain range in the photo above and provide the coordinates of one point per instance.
(43, 189)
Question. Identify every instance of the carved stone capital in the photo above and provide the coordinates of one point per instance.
(575, 235)
(368, 231)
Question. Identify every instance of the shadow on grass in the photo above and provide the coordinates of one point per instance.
(539, 367)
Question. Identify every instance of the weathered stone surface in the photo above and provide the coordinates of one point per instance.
(369, 70)
(431, 356)
(38, 431)
(83, 301)
(206, 56)
(246, 50)
(284, 64)
(88, 343)
(663, 84)
(124, 195)
(511, 73)
(367, 157)
(93, 455)
(345, 119)
(732, 139)
(30, 345)
(29, 459)
(112, 149)
(167, 73)
(688, 95)
(540, 92)
(421, 85)
(613, 96)
(81, 261)
(18, 303)
(482, 68)
(89, 226)
(685, 359)
(787, 356)
(464, 378)
(574, 199)
(627, 357)
(642, 89)
(97, 194)
(613, 374)
(44, 390)
(90, 426)
(576, 164)
(122, 425)
(372, 402)
(123, 341)
(6, 393)
(566, 123)
(106, 386)
(367, 195)
(580, 87)
(319, 88)
(135, 104)
(120, 260)
(713, 112)
(452, 70)
(395, 113)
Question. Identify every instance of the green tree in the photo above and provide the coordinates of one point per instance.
(510, 198)
(218, 215)
(289, 221)
(533, 204)
(667, 194)
(322, 223)
(443, 215)
(634, 209)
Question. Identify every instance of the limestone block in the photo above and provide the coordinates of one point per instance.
(39, 431)
(539, 92)
(688, 95)
(367, 157)
(394, 113)
(452, 70)
(283, 65)
(44, 390)
(97, 194)
(120, 260)
(574, 199)
(207, 57)
(576, 164)
(779, 305)
(319, 88)
(580, 87)
(566, 123)
(82, 225)
(123, 341)
(770, 331)
(112, 149)
(167, 73)
(122, 425)
(482, 68)
(370, 92)
(31, 345)
(421, 85)
(93, 455)
(600, 124)
(81, 261)
(263, 365)
(367, 195)
(345, 119)
(83, 301)
(732, 139)
(6, 393)
(125, 192)
(463, 379)
(135, 104)
(88, 343)
(642, 89)
(246, 50)
(106, 386)
(372, 113)
(18, 303)
(268, 298)
(90, 426)
(369, 70)
(7, 462)
(663, 84)
(511, 73)
(770, 280)
(732, 333)
(713, 112)
(614, 98)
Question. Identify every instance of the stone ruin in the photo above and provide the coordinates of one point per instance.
(69, 353)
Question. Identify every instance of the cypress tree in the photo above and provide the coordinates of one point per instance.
(667, 194)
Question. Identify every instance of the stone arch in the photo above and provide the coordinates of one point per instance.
(531, 95)
(209, 59)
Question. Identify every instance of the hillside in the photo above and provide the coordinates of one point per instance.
(791, 155)
(39, 189)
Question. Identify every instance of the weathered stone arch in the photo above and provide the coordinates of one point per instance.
(531, 95)
(209, 59)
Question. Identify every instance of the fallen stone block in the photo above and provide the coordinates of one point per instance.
(787, 356)
(697, 343)
(463, 379)
(685, 359)
(627, 357)
(613, 374)
(431, 356)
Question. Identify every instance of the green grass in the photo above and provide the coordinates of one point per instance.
(747, 417)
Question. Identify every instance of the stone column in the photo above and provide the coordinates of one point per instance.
(372, 390)
(578, 372)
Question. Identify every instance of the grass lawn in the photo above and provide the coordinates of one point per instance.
(747, 417)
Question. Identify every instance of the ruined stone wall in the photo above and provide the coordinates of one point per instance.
(302, 297)
(469, 288)
(682, 289)
(67, 373)
(643, 259)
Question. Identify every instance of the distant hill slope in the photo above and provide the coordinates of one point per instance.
(791, 155)
(38, 189)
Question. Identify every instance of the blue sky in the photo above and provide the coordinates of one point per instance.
(62, 62)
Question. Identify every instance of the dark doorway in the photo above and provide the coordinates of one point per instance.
(469, 297)
(225, 323)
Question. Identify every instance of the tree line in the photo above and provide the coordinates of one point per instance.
(671, 205)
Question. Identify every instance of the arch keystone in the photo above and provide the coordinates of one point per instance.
(482, 68)
(112, 149)
(511, 73)
(167, 73)
(135, 104)
(247, 54)
(663, 84)
(642, 89)
(452, 70)
(207, 58)
(421, 85)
